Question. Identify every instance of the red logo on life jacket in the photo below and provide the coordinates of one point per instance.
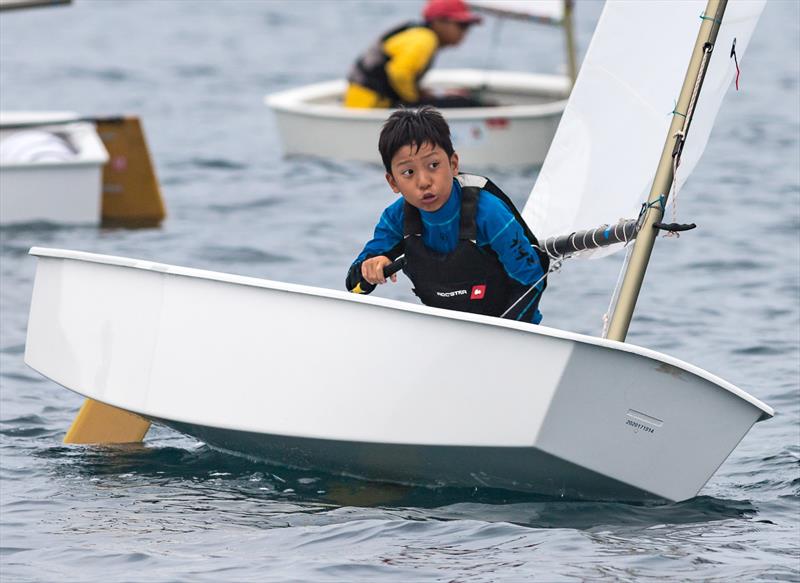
(478, 291)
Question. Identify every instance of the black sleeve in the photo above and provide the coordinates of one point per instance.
(354, 278)
(354, 273)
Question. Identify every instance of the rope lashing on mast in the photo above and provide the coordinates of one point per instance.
(711, 18)
(681, 134)
(674, 227)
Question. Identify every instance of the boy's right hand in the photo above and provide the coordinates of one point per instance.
(372, 270)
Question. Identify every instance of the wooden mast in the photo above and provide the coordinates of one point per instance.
(569, 35)
(659, 192)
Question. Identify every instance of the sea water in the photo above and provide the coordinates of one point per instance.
(724, 297)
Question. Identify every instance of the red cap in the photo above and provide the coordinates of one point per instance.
(454, 10)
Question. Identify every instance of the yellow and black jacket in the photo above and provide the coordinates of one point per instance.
(389, 72)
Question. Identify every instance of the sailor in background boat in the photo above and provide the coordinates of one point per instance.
(389, 73)
(466, 247)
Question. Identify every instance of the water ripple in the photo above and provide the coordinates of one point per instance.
(247, 255)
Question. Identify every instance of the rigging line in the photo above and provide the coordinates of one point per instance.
(695, 92)
(551, 254)
(554, 266)
(624, 236)
(546, 250)
(681, 134)
(675, 110)
(659, 202)
(674, 198)
(594, 232)
(612, 305)
(572, 240)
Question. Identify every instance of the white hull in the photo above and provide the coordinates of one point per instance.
(281, 372)
(312, 121)
(64, 192)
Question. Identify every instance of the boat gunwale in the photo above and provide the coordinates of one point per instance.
(296, 100)
(248, 281)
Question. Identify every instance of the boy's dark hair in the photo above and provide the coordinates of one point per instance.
(405, 127)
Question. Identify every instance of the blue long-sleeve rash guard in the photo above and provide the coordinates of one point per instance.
(496, 227)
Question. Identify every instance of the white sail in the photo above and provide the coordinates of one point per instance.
(601, 164)
(545, 11)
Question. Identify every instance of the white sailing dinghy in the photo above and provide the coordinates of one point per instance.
(264, 368)
(51, 170)
(61, 168)
(516, 133)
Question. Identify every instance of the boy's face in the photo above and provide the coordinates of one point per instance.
(424, 175)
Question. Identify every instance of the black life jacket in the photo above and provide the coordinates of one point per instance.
(471, 278)
(370, 69)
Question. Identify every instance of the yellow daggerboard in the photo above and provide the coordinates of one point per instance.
(98, 423)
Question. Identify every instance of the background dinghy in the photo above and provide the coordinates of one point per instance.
(61, 168)
(517, 133)
(51, 171)
(222, 358)
(514, 132)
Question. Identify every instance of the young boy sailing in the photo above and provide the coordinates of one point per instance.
(466, 246)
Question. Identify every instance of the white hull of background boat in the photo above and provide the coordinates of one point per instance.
(312, 121)
(37, 184)
(380, 389)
